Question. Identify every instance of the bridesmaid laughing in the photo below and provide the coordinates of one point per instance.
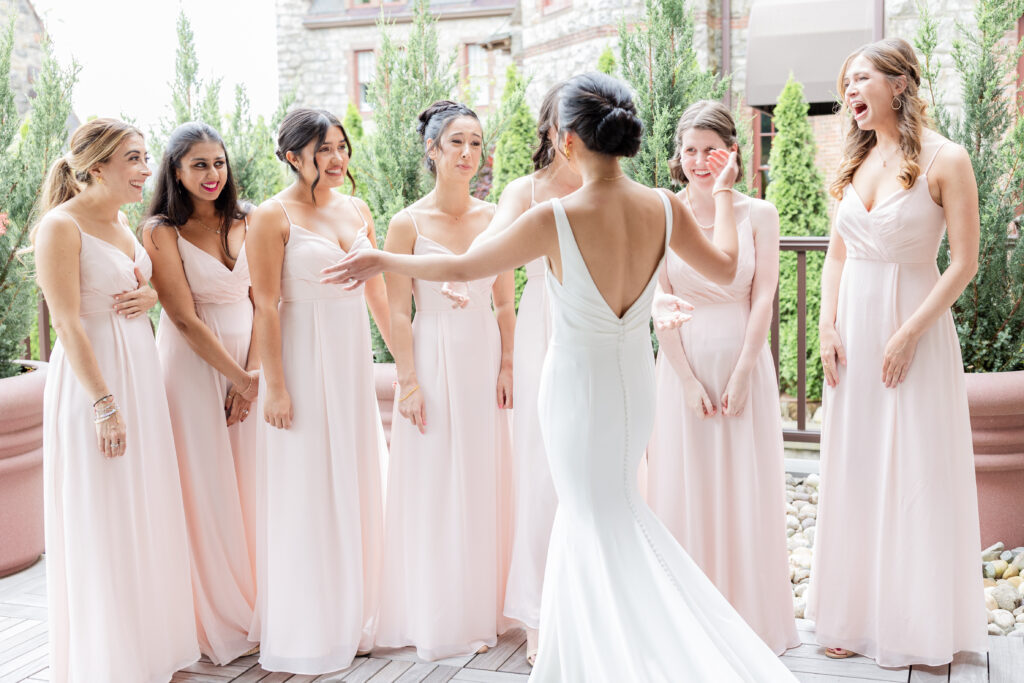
(196, 238)
(715, 457)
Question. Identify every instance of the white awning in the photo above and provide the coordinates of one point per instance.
(808, 38)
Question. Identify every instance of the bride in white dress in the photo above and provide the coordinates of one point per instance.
(622, 601)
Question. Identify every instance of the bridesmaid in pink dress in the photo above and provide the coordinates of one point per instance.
(897, 462)
(716, 471)
(448, 528)
(535, 495)
(117, 567)
(195, 237)
(318, 574)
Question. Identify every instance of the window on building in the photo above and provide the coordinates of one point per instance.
(366, 65)
(549, 6)
(764, 134)
(364, 3)
(478, 74)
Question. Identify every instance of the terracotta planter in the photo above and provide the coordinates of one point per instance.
(385, 375)
(21, 468)
(996, 401)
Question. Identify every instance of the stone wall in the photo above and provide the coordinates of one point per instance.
(27, 55)
(319, 64)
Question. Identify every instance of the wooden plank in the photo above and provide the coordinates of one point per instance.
(361, 674)
(34, 661)
(16, 652)
(335, 676)
(929, 674)
(517, 664)
(188, 677)
(481, 676)
(391, 672)
(1005, 659)
(43, 675)
(228, 671)
(16, 633)
(866, 670)
(969, 667)
(26, 598)
(506, 646)
(442, 674)
(416, 672)
(815, 651)
(22, 611)
(408, 654)
(276, 677)
(253, 675)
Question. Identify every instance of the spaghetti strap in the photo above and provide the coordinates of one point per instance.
(245, 222)
(72, 219)
(939, 149)
(415, 226)
(360, 213)
(668, 219)
(533, 191)
(286, 216)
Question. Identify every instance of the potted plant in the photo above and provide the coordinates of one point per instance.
(28, 147)
(989, 316)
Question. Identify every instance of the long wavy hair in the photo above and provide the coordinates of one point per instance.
(547, 119)
(172, 204)
(894, 58)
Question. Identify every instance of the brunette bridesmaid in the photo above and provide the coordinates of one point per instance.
(448, 527)
(196, 238)
(716, 470)
(897, 465)
(324, 443)
(117, 565)
(535, 495)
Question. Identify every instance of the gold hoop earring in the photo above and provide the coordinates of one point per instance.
(896, 104)
(567, 153)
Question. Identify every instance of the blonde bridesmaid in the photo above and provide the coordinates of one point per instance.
(448, 528)
(117, 565)
(318, 577)
(897, 464)
(716, 474)
(195, 237)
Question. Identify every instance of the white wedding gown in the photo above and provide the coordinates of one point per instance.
(622, 602)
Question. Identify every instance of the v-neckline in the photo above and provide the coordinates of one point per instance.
(874, 207)
(135, 248)
(215, 259)
(593, 284)
(360, 233)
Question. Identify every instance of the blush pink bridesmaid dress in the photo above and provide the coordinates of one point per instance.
(219, 465)
(448, 525)
(897, 465)
(319, 572)
(718, 483)
(535, 494)
(117, 564)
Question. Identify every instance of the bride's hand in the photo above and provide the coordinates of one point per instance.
(354, 269)
(724, 165)
(458, 292)
(667, 312)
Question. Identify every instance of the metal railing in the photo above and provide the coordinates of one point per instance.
(800, 245)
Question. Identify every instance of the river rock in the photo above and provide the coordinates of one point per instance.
(800, 589)
(990, 602)
(809, 535)
(791, 509)
(792, 522)
(1003, 619)
(994, 630)
(1017, 632)
(999, 566)
(992, 552)
(808, 523)
(988, 570)
(1006, 596)
(814, 497)
(812, 481)
(801, 495)
(799, 605)
(797, 540)
(801, 558)
(988, 583)
(1019, 618)
(802, 575)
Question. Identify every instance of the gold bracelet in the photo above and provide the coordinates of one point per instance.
(721, 189)
(411, 392)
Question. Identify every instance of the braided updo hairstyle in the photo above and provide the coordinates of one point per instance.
(434, 120)
(600, 110)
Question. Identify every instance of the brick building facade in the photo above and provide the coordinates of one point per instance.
(27, 54)
(325, 48)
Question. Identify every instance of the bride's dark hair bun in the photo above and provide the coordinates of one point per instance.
(600, 110)
(432, 121)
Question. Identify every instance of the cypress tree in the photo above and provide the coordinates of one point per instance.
(512, 155)
(797, 190)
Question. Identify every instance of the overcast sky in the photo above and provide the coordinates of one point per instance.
(126, 51)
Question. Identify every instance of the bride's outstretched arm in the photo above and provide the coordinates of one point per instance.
(532, 235)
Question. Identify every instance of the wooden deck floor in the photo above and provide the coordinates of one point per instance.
(24, 653)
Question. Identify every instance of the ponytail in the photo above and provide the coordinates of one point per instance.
(60, 185)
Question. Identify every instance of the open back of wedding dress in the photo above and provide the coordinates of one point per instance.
(622, 601)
